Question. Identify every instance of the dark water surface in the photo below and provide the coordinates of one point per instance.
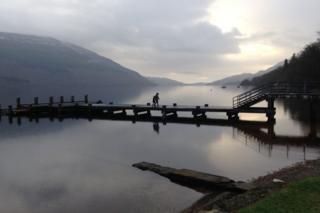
(82, 166)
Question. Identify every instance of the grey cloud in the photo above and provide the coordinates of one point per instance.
(162, 27)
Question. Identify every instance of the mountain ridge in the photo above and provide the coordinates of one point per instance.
(237, 79)
(45, 60)
(162, 81)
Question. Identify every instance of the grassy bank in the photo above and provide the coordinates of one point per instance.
(301, 196)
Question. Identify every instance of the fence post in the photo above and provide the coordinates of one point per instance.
(18, 102)
(36, 100)
(10, 110)
(59, 109)
(89, 111)
(51, 100)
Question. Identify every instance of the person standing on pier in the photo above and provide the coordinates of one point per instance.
(155, 100)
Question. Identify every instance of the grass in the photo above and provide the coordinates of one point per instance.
(301, 196)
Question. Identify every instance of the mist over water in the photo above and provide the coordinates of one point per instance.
(83, 166)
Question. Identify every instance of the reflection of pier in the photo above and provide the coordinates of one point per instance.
(258, 135)
(266, 137)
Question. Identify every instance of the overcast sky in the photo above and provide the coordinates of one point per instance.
(187, 40)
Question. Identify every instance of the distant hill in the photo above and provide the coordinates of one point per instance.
(232, 80)
(303, 67)
(237, 79)
(165, 81)
(34, 60)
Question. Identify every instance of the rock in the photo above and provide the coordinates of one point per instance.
(275, 180)
(208, 203)
(199, 181)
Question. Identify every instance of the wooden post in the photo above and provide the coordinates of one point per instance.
(233, 116)
(313, 120)
(89, 111)
(271, 112)
(10, 110)
(86, 99)
(270, 101)
(77, 110)
(196, 112)
(50, 100)
(36, 100)
(164, 111)
(18, 102)
(72, 99)
(135, 113)
(271, 132)
(89, 108)
(59, 109)
(61, 99)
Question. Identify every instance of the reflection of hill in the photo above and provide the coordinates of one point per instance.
(304, 111)
(301, 110)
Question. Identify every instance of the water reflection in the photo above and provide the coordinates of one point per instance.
(156, 127)
(266, 141)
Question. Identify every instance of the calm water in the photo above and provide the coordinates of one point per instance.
(82, 166)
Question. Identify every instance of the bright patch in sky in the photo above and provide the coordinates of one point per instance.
(230, 14)
(255, 50)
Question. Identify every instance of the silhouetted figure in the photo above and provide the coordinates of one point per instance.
(156, 127)
(155, 99)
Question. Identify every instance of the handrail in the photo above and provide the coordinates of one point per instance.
(254, 95)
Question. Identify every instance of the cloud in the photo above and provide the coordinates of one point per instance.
(124, 27)
(162, 37)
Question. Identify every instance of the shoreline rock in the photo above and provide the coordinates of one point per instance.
(199, 181)
(226, 195)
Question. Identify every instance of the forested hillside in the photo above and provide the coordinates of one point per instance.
(301, 67)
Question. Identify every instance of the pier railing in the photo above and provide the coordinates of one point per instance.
(275, 90)
(251, 97)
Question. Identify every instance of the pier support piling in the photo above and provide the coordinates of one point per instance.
(233, 116)
(51, 100)
(10, 110)
(18, 102)
(36, 100)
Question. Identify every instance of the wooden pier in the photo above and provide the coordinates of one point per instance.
(243, 103)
